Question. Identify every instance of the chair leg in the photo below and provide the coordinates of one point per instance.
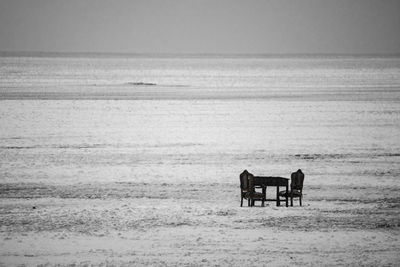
(248, 202)
(300, 199)
(241, 202)
(291, 201)
(264, 192)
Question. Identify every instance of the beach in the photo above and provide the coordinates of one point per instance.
(130, 224)
(115, 160)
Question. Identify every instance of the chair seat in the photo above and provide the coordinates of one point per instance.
(255, 195)
(296, 193)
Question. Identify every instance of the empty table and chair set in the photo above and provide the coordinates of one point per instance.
(249, 183)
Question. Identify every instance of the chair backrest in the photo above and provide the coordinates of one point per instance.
(244, 180)
(251, 182)
(297, 179)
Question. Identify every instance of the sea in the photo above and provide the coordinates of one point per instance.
(199, 119)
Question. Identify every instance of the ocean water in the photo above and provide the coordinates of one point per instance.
(135, 159)
(198, 119)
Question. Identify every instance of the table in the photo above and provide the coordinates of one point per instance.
(265, 181)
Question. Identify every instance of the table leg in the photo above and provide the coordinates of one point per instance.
(278, 203)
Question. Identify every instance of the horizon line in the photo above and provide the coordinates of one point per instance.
(184, 54)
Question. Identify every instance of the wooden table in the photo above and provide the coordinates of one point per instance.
(265, 181)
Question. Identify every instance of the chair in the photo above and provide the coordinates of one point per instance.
(247, 190)
(296, 187)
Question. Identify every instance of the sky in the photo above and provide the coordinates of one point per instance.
(202, 26)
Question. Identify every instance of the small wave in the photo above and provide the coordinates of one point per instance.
(140, 84)
(17, 147)
(83, 146)
(343, 156)
(175, 145)
(321, 156)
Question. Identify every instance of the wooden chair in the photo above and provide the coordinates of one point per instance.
(296, 187)
(247, 190)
